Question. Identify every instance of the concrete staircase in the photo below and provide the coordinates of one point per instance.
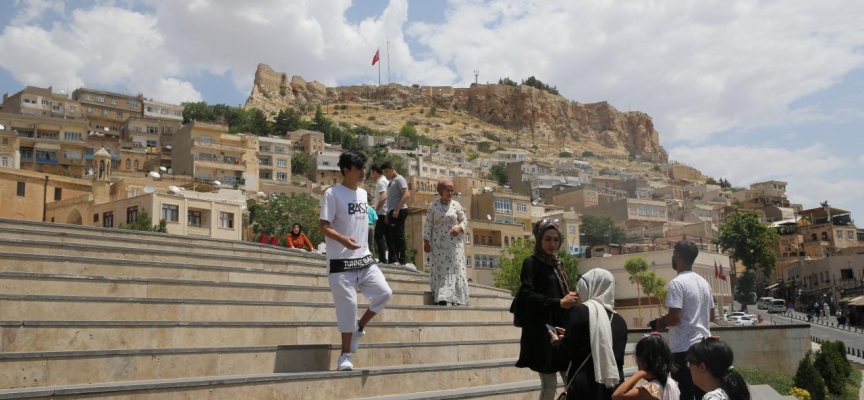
(89, 312)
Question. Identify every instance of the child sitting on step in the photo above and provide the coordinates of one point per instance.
(656, 363)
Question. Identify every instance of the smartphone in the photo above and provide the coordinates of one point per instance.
(551, 329)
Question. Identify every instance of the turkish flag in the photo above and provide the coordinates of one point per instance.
(722, 275)
(716, 271)
(376, 58)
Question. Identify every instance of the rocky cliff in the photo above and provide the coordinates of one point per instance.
(522, 109)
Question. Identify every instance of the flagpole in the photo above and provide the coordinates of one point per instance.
(379, 74)
(388, 60)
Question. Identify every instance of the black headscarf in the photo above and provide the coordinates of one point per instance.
(552, 260)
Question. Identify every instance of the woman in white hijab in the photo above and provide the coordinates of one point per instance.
(595, 339)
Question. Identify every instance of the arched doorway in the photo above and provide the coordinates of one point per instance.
(74, 218)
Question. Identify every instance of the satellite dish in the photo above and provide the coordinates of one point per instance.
(217, 183)
(170, 171)
(90, 171)
(262, 194)
(163, 169)
(154, 175)
(489, 217)
(535, 201)
(106, 129)
(149, 189)
(2, 127)
(174, 189)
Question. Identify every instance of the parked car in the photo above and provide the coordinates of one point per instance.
(735, 314)
(777, 305)
(743, 321)
(763, 303)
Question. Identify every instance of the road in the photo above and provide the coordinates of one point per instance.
(850, 338)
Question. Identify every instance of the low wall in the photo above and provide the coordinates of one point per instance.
(770, 347)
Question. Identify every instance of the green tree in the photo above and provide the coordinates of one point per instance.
(653, 285)
(724, 184)
(807, 378)
(586, 154)
(258, 123)
(747, 240)
(565, 154)
(408, 130)
(198, 111)
(143, 223)
(508, 275)
(484, 146)
(473, 156)
(278, 214)
(300, 164)
(600, 231)
(637, 267)
(711, 181)
(499, 173)
(287, 120)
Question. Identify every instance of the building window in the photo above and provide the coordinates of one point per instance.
(58, 194)
(100, 99)
(167, 130)
(281, 163)
(90, 110)
(468, 238)
(136, 165)
(95, 217)
(226, 220)
(152, 129)
(839, 234)
(521, 208)
(128, 164)
(264, 175)
(108, 220)
(5, 141)
(20, 189)
(5, 161)
(74, 136)
(115, 164)
(114, 103)
(572, 229)
(850, 235)
(171, 213)
(104, 112)
(119, 113)
(178, 113)
(503, 205)
(131, 214)
(152, 143)
(131, 104)
(280, 150)
(194, 218)
(281, 176)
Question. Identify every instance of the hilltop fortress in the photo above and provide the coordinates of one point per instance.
(522, 109)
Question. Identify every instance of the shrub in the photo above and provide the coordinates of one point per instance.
(432, 111)
(807, 378)
(282, 91)
(565, 154)
(335, 112)
(587, 154)
(422, 111)
(371, 118)
(833, 366)
(415, 86)
(452, 121)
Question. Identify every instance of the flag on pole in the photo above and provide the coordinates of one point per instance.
(376, 58)
(722, 274)
(716, 271)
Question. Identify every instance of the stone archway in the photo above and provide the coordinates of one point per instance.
(74, 218)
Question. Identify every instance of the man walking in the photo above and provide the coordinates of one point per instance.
(691, 311)
(397, 212)
(350, 264)
(379, 201)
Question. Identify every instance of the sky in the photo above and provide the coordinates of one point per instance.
(747, 90)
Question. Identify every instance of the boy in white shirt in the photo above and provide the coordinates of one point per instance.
(350, 265)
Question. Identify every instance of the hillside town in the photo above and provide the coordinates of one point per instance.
(96, 158)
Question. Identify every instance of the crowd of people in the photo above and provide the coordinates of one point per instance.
(569, 329)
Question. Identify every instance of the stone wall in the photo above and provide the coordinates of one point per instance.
(770, 347)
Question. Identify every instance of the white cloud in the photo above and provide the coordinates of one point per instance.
(32, 10)
(814, 174)
(698, 67)
(102, 47)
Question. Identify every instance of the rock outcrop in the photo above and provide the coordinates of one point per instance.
(522, 109)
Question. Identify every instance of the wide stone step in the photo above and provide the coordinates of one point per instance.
(36, 369)
(525, 390)
(22, 283)
(30, 336)
(83, 308)
(306, 385)
(52, 264)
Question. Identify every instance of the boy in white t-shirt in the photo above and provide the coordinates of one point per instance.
(350, 264)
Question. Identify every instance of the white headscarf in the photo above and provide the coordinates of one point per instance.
(597, 290)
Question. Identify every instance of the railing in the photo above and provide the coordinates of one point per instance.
(45, 160)
(220, 159)
(197, 231)
(264, 162)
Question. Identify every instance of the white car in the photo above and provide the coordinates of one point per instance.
(741, 321)
(735, 314)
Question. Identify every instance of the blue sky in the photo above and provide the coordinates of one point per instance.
(745, 90)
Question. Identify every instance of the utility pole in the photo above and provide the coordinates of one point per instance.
(476, 75)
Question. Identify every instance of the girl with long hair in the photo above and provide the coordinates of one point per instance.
(656, 363)
(710, 363)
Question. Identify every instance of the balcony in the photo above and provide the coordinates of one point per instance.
(46, 160)
(220, 162)
(197, 231)
(216, 145)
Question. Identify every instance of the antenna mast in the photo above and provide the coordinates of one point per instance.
(476, 74)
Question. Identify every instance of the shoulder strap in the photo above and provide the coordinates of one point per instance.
(564, 395)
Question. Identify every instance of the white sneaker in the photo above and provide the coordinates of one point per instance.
(355, 340)
(344, 363)
(396, 264)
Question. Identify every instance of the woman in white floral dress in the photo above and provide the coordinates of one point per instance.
(444, 240)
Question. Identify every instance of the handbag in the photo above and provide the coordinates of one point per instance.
(516, 310)
(563, 396)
